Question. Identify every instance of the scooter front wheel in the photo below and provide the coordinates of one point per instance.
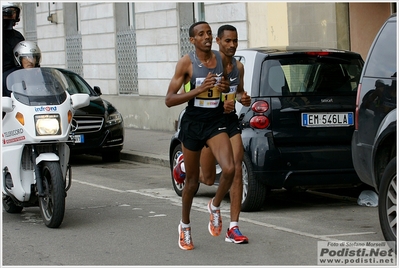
(52, 204)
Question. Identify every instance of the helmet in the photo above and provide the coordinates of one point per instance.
(7, 11)
(27, 49)
(379, 83)
(9, 8)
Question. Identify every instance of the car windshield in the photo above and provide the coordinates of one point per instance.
(310, 75)
(76, 84)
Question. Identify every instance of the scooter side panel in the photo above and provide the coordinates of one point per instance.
(11, 157)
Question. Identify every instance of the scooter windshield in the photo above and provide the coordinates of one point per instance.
(38, 86)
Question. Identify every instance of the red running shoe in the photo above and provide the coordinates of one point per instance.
(234, 235)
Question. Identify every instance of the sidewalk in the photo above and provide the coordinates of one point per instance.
(147, 146)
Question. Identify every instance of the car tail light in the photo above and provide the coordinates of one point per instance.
(359, 89)
(260, 106)
(319, 53)
(259, 120)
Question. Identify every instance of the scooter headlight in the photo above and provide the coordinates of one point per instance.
(48, 124)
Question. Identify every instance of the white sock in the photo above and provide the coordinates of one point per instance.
(213, 207)
(233, 223)
(184, 225)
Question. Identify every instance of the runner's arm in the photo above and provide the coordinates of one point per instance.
(241, 95)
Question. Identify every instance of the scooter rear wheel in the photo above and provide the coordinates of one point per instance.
(52, 204)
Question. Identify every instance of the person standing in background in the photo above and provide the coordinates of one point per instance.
(11, 37)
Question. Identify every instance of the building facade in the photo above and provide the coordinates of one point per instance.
(130, 49)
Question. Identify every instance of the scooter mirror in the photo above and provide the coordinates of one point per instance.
(80, 100)
(6, 104)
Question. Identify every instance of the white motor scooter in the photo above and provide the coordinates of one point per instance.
(36, 128)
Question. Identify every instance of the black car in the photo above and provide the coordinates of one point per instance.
(98, 127)
(298, 130)
(374, 139)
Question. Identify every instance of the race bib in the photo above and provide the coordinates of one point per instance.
(207, 99)
(231, 95)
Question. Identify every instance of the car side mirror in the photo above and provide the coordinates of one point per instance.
(80, 100)
(6, 104)
(97, 90)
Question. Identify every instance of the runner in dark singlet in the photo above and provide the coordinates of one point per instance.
(203, 112)
(227, 40)
(202, 124)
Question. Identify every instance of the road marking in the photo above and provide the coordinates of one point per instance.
(362, 233)
(157, 215)
(288, 230)
(199, 204)
(100, 186)
(103, 206)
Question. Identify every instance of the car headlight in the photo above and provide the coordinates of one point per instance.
(114, 119)
(49, 124)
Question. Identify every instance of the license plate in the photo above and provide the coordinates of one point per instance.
(327, 119)
(79, 138)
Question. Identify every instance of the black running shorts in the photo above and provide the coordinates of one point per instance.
(194, 134)
(233, 126)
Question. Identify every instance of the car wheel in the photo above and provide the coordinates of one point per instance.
(178, 187)
(387, 202)
(254, 192)
(114, 156)
(10, 206)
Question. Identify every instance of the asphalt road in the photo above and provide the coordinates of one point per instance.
(127, 214)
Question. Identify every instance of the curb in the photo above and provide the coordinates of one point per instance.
(147, 158)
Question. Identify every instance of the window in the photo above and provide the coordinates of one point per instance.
(126, 48)
(29, 14)
(289, 76)
(199, 11)
(76, 84)
(131, 15)
(381, 62)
